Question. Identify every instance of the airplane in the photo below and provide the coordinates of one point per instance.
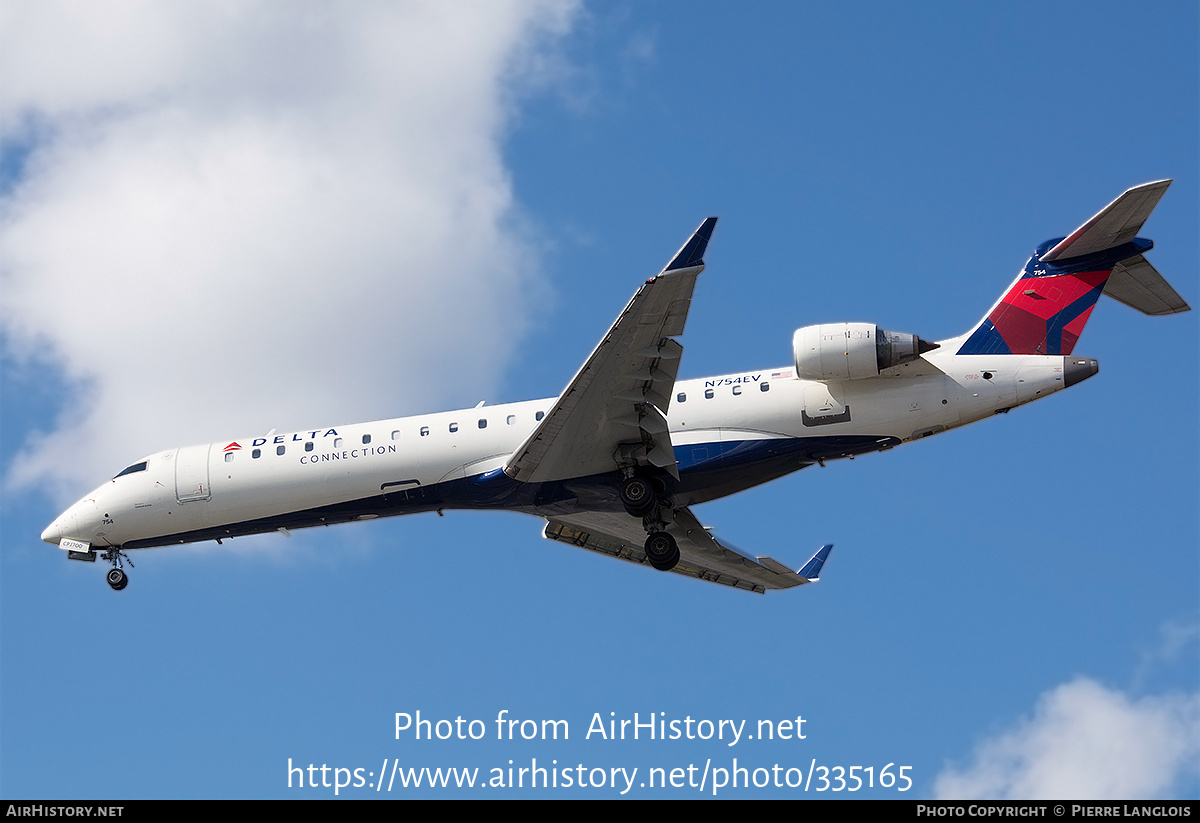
(616, 463)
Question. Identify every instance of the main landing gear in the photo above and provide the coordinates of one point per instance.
(662, 551)
(639, 496)
(116, 576)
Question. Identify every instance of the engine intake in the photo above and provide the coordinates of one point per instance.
(852, 351)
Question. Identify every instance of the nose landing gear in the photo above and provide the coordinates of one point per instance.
(116, 576)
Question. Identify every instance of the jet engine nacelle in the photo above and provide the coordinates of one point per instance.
(852, 351)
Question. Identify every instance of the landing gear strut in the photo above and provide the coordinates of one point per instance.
(116, 575)
(662, 551)
(640, 497)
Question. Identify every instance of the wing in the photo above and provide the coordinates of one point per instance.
(701, 555)
(613, 411)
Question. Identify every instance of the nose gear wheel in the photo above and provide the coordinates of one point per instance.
(116, 576)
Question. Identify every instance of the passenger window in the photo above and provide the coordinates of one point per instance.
(482, 423)
(257, 453)
(366, 439)
(539, 415)
(708, 394)
(280, 449)
(512, 418)
(681, 397)
(737, 390)
(764, 386)
(424, 431)
(228, 457)
(308, 446)
(337, 442)
(396, 434)
(453, 427)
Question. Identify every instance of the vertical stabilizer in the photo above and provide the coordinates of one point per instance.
(1045, 309)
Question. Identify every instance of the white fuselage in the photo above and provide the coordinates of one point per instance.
(729, 433)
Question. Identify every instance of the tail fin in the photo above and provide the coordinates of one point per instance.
(1045, 309)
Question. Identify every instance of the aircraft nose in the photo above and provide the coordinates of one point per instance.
(53, 533)
(62, 527)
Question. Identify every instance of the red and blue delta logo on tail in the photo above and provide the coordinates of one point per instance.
(1045, 310)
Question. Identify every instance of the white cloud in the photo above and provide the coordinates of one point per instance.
(1086, 741)
(1178, 641)
(245, 216)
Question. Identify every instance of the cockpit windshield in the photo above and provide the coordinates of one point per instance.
(136, 467)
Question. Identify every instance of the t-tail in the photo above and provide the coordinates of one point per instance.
(1045, 309)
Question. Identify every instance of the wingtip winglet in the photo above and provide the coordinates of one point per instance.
(812, 569)
(692, 253)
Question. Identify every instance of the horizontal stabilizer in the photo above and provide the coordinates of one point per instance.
(1138, 284)
(1116, 224)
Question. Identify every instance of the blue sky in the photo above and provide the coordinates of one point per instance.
(259, 222)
